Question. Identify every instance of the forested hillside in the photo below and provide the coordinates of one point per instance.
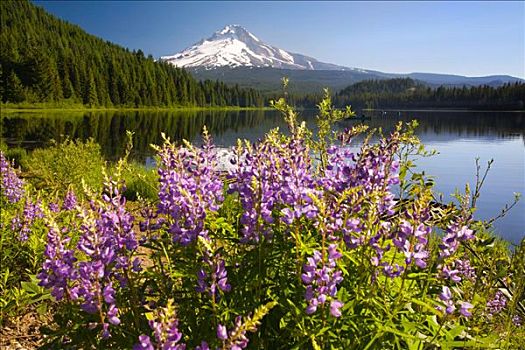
(45, 59)
(409, 93)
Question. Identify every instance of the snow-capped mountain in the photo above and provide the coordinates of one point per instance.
(236, 56)
(234, 46)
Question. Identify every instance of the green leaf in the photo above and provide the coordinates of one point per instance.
(41, 309)
(31, 288)
(427, 306)
(314, 343)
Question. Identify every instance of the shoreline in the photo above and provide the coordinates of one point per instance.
(442, 110)
(127, 109)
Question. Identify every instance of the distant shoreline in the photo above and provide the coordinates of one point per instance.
(126, 109)
(442, 110)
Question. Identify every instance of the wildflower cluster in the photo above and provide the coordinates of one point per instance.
(166, 334)
(352, 179)
(12, 187)
(70, 200)
(456, 233)
(450, 304)
(272, 175)
(340, 241)
(460, 269)
(190, 186)
(213, 275)
(98, 263)
(496, 304)
(59, 264)
(23, 223)
(321, 279)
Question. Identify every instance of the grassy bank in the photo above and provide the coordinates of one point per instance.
(47, 107)
(189, 109)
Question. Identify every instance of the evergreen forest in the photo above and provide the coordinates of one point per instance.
(47, 60)
(410, 93)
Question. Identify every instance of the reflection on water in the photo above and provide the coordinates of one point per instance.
(459, 137)
(109, 128)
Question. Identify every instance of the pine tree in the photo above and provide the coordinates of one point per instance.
(90, 96)
(14, 89)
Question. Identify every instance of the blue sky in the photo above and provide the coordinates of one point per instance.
(468, 38)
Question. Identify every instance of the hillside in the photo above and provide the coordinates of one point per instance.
(47, 60)
(409, 93)
(268, 80)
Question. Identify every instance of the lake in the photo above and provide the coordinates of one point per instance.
(458, 136)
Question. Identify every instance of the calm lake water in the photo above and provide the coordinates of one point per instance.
(458, 136)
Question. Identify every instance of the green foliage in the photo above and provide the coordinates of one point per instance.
(140, 182)
(67, 164)
(16, 154)
(19, 263)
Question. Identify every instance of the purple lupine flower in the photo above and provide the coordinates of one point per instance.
(517, 320)
(412, 242)
(459, 268)
(465, 307)
(235, 339)
(23, 224)
(453, 275)
(53, 207)
(12, 187)
(152, 221)
(106, 240)
(222, 332)
(321, 281)
(446, 297)
(392, 271)
(352, 233)
(272, 175)
(454, 235)
(144, 343)
(465, 269)
(166, 334)
(58, 267)
(445, 294)
(496, 304)
(373, 171)
(335, 308)
(189, 187)
(203, 346)
(216, 279)
(112, 314)
(70, 200)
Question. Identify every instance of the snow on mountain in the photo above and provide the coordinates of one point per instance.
(234, 46)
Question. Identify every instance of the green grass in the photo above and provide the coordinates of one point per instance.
(72, 107)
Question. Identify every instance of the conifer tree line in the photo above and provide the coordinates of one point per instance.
(410, 93)
(45, 59)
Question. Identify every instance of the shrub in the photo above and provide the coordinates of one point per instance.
(140, 182)
(67, 165)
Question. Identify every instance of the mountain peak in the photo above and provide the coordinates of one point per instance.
(234, 31)
(235, 46)
(232, 28)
